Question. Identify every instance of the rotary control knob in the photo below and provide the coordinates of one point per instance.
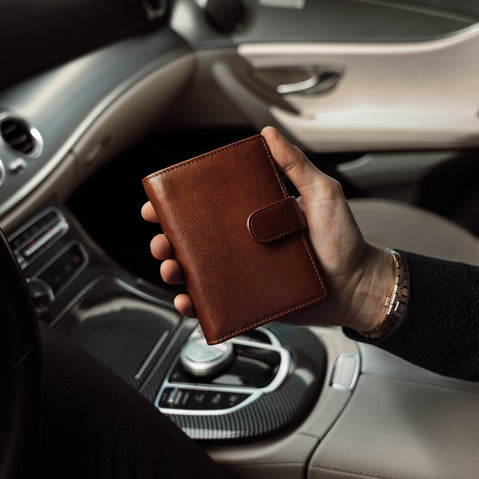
(41, 293)
(201, 360)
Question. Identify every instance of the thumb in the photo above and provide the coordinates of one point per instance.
(293, 162)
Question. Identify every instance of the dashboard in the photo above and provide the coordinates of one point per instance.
(83, 113)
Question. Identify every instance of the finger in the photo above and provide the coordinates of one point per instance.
(171, 272)
(292, 160)
(185, 306)
(148, 213)
(160, 247)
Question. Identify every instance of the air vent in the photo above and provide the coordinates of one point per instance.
(20, 137)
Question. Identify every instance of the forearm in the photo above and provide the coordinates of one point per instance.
(440, 329)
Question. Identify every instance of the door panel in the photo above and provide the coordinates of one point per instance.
(388, 96)
(350, 75)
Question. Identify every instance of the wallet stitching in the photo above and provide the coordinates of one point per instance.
(302, 236)
(213, 153)
(271, 317)
(278, 235)
(313, 263)
(275, 170)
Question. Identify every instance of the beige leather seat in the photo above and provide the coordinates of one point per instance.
(396, 225)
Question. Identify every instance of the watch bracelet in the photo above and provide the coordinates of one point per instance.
(395, 304)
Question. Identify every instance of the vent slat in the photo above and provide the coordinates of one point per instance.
(16, 134)
(9, 128)
(18, 139)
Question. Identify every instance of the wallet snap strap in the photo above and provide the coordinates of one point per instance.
(276, 220)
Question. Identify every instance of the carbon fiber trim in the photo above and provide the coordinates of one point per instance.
(273, 411)
(153, 383)
(122, 330)
(139, 340)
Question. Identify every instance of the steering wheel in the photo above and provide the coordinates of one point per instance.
(20, 371)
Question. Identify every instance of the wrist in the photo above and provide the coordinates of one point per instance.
(377, 280)
(395, 304)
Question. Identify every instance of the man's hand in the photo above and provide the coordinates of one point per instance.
(358, 276)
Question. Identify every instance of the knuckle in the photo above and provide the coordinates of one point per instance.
(332, 189)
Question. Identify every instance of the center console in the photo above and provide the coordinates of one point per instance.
(251, 386)
(270, 378)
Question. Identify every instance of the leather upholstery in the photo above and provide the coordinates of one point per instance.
(392, 224)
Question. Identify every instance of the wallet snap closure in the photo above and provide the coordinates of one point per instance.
(276, 220)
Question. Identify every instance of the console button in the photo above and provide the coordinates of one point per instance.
(198, 399)
(17, 166)
(41, 293)
(215, 401)
(233, 399)
(182, 399)
(163, 402)
(173, 398)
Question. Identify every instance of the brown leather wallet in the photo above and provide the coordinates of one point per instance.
(239, 238)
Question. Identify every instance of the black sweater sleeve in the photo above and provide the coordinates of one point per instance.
(440, 329)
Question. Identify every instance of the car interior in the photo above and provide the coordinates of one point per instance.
(97, 94)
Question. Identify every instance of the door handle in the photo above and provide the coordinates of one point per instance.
(319, 81)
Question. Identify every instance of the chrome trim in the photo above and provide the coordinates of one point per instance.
(255, 393)
(38, 138)
(2, 173)
(34, 219)
(164, 354)
(291, 4)
(300, 86)
(125, 286)
(75, 298)
(272, 337)
(57, 229)
(35, 134)
(144, 295)
(200, 359)
(61, 227)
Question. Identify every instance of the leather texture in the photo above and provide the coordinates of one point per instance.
(276, 221)
(236, 283)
